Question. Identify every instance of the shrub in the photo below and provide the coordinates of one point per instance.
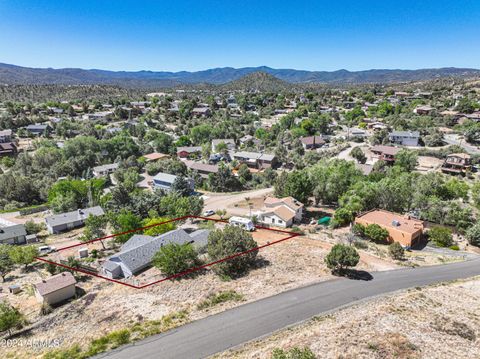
(376, 233)
(10, 318)
(221, 297)
(441, 236)
(358, 229)
(175, 258)
(341, 257)
(473, 235)
(396, 251)
(294, 353)
(454, 247)
(232, 240)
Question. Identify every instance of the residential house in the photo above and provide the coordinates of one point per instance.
(137, 253)
(423, 110)
(67, 221)
(401, 228)
(312, 142)
(8, 149)
(104, 170)
(249, 140)
(385, 153)
(164, 181)
(255, 159)
(99, 116)
(281, 212)
(5, 136)
(55, 289)
(229, 142)
(457, 163)
(12, 233)
(202, 168)
(404, 138)
(187, 151)
(37, 130)
(201, 112)
(156, 156)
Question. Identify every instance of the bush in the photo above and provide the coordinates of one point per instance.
(221, 297)
(294, 353)
(341, 257)
(10, 318)
(396, 251)
(176, 258)
(441, 236)
(358, 229)
(376, 233)
(454, 247)
(473, 235)
(232, 240)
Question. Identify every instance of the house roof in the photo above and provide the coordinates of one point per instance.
(165, 177)
(405, 134)
(254, 155)
(288, 201)
(110, 166)
(386, 219)
(189, 149)
(388, 150)
(74, 216)
(366, 169)
(12, 231)
(155, 156)
(227, 141)
(6, 132)
(310, 140)
(284, 213)
(137, 253)
(56, 282)
(204, 167)
(461, 155)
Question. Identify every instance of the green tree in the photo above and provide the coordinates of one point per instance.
(296, 185)
(358, 154)
(6, 263)
(441, 236)
(23, 254)
(228, 242)
(223, 180)
(176, 258)
(341, 257)
(124, 222)
(156, 230)
(10, 318)
(95, 227)
(396, 251)
(407, 160)
(473, 235)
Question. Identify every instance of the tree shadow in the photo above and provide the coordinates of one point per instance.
(354, 274)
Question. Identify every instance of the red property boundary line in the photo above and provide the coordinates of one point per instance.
(195, 269)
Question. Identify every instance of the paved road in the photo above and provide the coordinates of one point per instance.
(231, 328)
(453, 139)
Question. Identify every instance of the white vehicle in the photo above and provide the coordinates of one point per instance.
(242, 222)
(209, 213)
(46, 249)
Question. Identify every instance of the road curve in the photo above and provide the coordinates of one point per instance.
(247, 322)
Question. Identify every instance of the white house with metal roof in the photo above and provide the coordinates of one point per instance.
(12, 233)
(137, 253)
(164, 181)
(69, 220)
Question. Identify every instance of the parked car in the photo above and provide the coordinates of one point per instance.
(209, 213)
(46, 249)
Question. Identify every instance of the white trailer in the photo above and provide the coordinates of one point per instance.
(242, 222)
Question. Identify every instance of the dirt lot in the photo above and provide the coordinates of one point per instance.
(435, 322)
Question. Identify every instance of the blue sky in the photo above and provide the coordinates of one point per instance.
(194, 35)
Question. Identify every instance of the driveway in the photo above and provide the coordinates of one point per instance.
(234, 327)
(454, 139)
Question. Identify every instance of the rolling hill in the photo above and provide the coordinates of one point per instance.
(11, 74)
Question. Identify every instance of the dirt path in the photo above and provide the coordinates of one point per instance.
(216, 201)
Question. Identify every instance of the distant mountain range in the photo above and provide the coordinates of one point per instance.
(11, 74)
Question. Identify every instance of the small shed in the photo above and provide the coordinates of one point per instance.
(56, 289)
